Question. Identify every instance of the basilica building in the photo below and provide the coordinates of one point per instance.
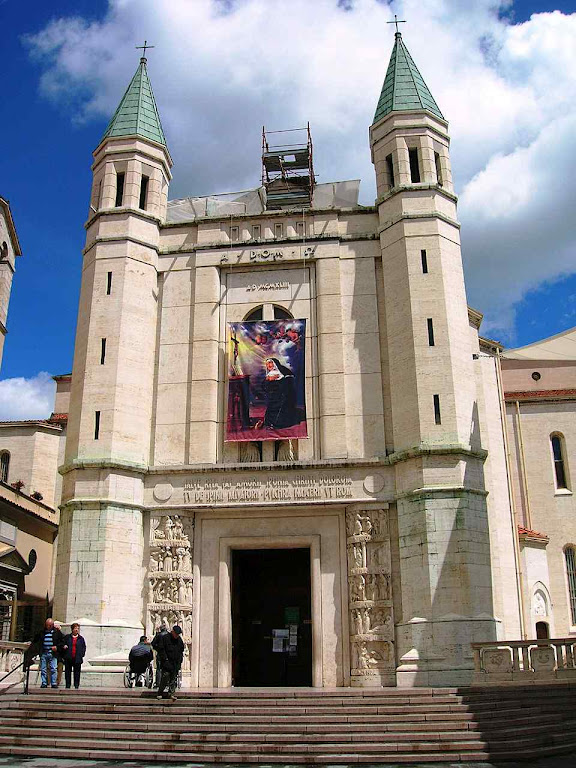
(285, 432)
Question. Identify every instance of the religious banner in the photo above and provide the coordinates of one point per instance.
(266, 381)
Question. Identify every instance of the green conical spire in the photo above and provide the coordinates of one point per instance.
(137, 114)
(404, 87)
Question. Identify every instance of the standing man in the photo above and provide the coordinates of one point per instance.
(47, 643)
(171, 653)
(74, 650)
(60, 657)
(162, 630)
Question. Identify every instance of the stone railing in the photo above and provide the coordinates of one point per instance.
(525, 661)
(11, 655)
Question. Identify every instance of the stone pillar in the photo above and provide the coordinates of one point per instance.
(169, 577)
(370, 588)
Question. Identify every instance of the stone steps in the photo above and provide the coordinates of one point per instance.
(308, 726)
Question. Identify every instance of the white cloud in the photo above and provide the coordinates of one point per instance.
(22, 398)
(223, 68)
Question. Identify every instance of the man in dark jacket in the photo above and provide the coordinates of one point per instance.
(140, 657)
(74, 650)
(171, 654)
(46, 644)
(162, 630)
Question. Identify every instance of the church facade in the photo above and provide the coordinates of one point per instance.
(374, 550)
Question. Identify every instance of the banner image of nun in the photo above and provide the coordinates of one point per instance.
(266, 380)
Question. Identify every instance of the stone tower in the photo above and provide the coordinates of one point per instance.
(9, 249)
(445, 578)
(99, 574)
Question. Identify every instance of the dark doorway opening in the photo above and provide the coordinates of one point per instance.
(542, 630)
(271, 617)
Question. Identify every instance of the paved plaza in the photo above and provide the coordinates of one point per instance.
(566, 761)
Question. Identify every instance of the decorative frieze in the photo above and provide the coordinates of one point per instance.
(169, 578)
(369, 581)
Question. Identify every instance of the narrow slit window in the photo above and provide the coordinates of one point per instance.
(96, 425)
(300, 228)
(559, 468)
(99, 194)
(570, 555)
(437, 418)
(278, 230)
(4, 466)
(390, 169)
(414, 165)
(424, 258)
(234, 233)
(256, 232)
(438, 168)
(430, 332)
(103, 352)
(109, 284)
(143, 192)
(119, 189)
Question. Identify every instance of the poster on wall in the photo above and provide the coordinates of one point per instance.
(266, 380)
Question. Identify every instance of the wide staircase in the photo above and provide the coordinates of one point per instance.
(388, 725)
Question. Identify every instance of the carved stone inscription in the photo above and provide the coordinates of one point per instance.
(371, 615)
(170, 588)
(273, 488)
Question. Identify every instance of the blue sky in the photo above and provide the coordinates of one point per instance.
(61, 82)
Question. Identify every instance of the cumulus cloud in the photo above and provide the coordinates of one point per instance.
(223, 68)
(22, 398)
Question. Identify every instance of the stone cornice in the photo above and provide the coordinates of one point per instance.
(124, 466)
(417, 188)
(137, 212)
(119, 239)
(294, 213)
(415, 216)
(427, 449)
(441, 490)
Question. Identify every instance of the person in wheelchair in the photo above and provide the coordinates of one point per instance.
(140, 659)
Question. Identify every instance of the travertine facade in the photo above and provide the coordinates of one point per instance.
(400, 493)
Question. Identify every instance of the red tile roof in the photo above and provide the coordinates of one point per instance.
(533, 534)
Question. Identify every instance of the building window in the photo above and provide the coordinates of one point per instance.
(278, 230)
(430, 332)
(4, 466)
(536, 376)
(424, 258)
(103, 352)
(390, 169)
(32, 559)
(438, 168)
(96, 425)
(234, 233)
(560, 474)
(119, 189)
(109, 284)
(300, 228)
(570, 555)
(437, 417)
(414, 165)
(281, 314)
(256, 232)
(143, 192)
(542, 630)
(255, 315)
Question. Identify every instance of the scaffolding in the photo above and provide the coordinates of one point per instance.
(288, 169)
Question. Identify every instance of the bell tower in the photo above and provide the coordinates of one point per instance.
(99, 572)
(445, 579)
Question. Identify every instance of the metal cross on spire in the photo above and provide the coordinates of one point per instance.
(397, 21)
(145, 46)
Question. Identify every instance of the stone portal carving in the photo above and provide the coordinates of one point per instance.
(170, 581)
(369, 581)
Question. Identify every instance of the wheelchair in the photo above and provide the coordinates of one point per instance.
(139, 680)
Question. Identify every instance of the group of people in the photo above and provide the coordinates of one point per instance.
(59, 652)
(169, 648)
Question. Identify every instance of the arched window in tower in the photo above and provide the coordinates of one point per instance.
(4, 466)
(282, 314)
(255, 315)
(560, 469)
(570, 557)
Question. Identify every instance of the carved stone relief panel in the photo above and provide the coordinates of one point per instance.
(369, 582)
(169, 578)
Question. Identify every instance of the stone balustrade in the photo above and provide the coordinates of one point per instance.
(11, 655)
(525, 661)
